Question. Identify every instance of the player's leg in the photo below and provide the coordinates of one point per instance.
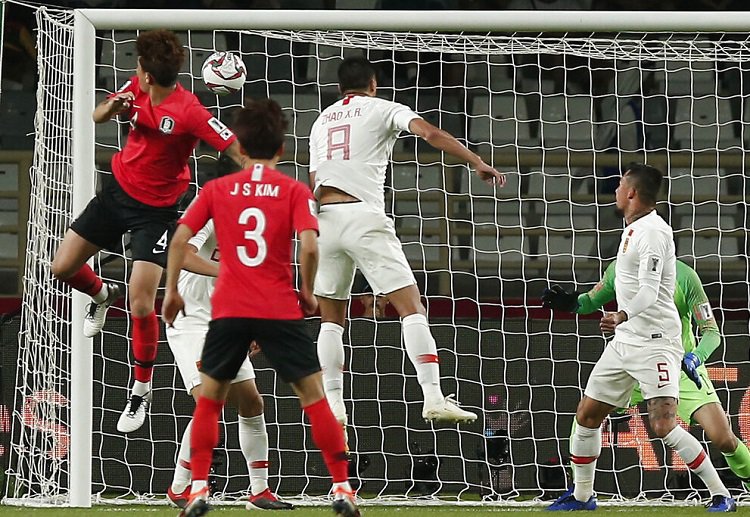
(224, 351)
(609, 386)
(333, 285)
(331, 353)
(96, 228)
(186, 344)
(657, 369)
(253, 438)
(144, 281)
(715, 423)
(289, 349)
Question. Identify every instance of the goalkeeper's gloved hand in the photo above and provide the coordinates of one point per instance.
(690, 364)
(557, 298)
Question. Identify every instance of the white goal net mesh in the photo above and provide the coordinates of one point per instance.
(562, 115)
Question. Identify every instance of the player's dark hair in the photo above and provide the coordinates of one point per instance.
(355, 73)
(161, 55)
(646, 180)
(260, 128)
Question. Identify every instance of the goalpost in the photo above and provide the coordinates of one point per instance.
(561, 113)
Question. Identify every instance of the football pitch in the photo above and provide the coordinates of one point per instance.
(374, 511)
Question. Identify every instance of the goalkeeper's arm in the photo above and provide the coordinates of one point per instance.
(584, 303)
(696, 299)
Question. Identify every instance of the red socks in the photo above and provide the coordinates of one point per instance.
(329, 437)
(204, 436)
(145, 336)
(86, 281)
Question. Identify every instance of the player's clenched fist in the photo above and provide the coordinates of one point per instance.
(490, 175)
(308, 303)
(610, 320)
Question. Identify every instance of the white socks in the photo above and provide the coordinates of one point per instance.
(331, 357)
(691, 452)
(141, 388)
(181, 478)
(254, 445)
(585, 445)
(422, 351)
(101, 296)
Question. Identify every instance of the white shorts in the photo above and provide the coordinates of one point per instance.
(355, 235)
(655, 367)
(187, 345)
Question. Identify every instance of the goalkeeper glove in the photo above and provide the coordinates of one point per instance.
(557, 298)
(690, 364)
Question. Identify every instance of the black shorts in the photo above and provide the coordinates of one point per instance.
(285, 343)
(113, 212)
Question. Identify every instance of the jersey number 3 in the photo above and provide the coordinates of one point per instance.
(338, 141)
(255, 236)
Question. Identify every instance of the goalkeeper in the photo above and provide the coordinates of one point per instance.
(698, 401)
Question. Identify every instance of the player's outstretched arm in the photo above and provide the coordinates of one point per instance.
(308, 260)
(441, 139)
(702, 314)
(112, 106)
(173, 302)
(233, 151)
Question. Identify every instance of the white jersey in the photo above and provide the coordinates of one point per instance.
(351, 143)
(647, 256)
(197, 289)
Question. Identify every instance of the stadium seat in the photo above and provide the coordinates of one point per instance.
(500, 120)
(701, 124)
(17, 109)
(566, 122)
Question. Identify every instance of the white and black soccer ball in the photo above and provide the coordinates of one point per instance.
(224, 72)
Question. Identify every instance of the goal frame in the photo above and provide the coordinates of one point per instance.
(87, 21)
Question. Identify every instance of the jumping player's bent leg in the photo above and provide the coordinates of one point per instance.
(69, 266)
(422, 352)
(144, 282)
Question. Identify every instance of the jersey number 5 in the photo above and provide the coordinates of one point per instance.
(255, 236)
(338, 140)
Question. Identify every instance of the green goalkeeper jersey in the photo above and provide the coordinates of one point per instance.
(689, 297)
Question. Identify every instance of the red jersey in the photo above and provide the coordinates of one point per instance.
(256, 213)
(153, 165)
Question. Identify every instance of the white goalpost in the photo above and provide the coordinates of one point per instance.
(560, 100)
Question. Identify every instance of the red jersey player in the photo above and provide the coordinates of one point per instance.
(256, 213)
(150, 174)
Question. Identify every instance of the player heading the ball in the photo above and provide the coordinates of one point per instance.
(149, 175)
(350, 147)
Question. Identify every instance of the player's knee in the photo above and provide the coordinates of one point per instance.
(661, 427)
(250, 406)
(60, 270)
(141, 304)
(726, 442)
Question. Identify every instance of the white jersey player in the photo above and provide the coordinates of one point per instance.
(185, 338)
(646, 349)
(350, 147)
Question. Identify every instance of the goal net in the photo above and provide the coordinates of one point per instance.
(561, 114)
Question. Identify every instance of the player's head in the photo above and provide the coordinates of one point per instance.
(160, 57)
(356, 74)
(640, 185)
(260, 127)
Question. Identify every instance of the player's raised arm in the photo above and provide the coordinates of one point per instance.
(112, 106)
(441, 139)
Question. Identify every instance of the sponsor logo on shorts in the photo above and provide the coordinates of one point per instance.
(655, 336)
(662, 385)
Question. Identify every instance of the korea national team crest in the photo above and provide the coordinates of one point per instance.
(166, 125)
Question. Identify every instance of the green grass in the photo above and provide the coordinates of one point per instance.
(378, 511)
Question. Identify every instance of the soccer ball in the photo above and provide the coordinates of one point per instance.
(224, 72)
